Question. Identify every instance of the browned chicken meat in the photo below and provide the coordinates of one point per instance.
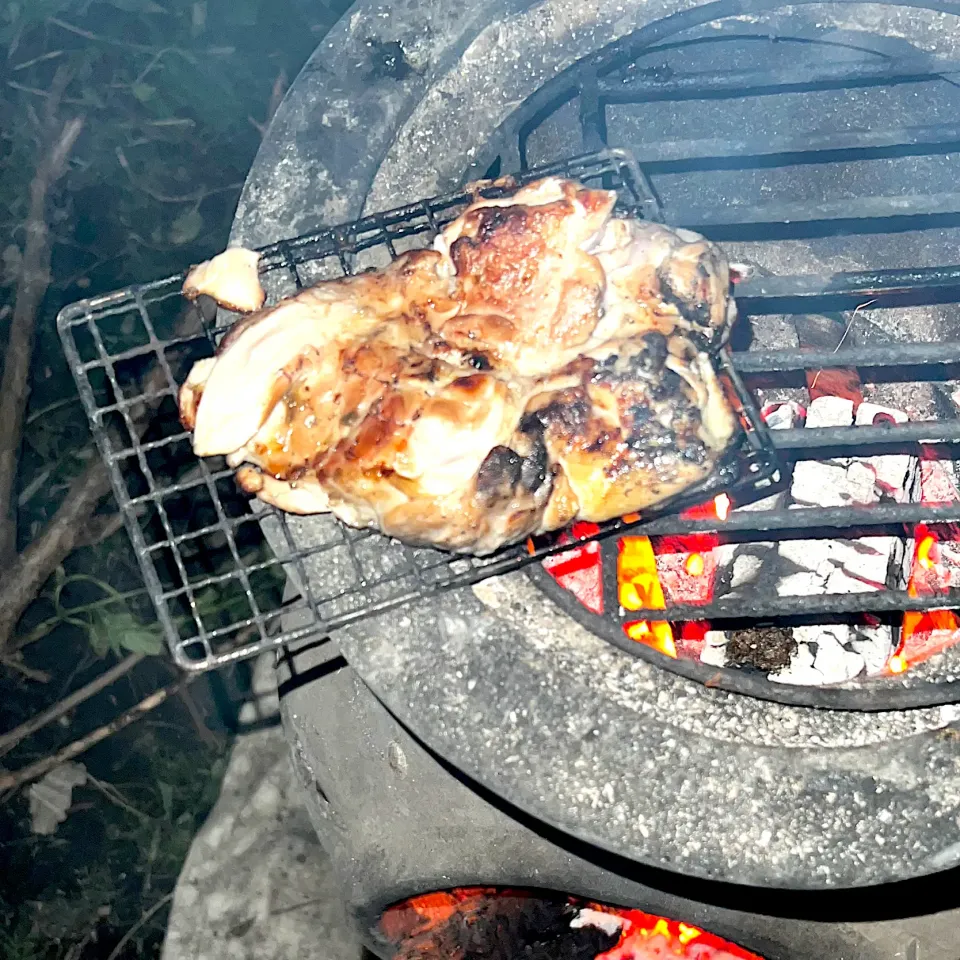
(544, 362)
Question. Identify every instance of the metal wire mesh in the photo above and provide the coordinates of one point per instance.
(215, 562)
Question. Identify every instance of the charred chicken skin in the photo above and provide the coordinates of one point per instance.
(545, 362)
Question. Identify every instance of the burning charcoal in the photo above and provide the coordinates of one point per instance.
(873, 414)
(479, 922)
(834, 653)
(782, 415)
(766, 648)
(930, 564)
(873, 646)
(863, 562)
(746, 566)
(800, 671)
(823, 484)
(936, 564)
(801, 585)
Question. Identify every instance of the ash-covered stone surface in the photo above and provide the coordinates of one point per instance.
(328, 137)
(657, 768)
(256, 883)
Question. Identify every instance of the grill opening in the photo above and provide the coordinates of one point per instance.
(504, 922)
(198, 538)
(835, 146)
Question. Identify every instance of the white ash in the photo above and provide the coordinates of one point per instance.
(739, 565)
(714, 648)
(749, 569)
(830, 412)
(834, 652)
(843, 651)
(824, 655)
(607, 922)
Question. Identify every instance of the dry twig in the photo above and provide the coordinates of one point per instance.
(116, 797)
(15, 662)
(9, 740)
(25, 576)
(125, 939)
(846, 333)
(33, 771)
(206, 735)
(280, 86)
(32, 287)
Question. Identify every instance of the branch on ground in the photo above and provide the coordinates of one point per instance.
(14, 661)
(26, 575)
(70, 527)
(33, 771)
(9, 740)
(32, 285)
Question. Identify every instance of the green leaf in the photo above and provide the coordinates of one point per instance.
(144, 641)
(186, 227)
(100, 640)
(120, 630)
(143, 91)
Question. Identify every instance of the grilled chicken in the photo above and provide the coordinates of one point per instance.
(232, 276)
(544, 362)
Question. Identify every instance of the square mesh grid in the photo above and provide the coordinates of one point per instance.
(216, 562)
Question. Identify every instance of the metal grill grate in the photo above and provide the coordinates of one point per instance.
(217, 586)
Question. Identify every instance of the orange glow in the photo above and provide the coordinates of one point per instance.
(925, 554)
(631, 517)
(722, 505)
(644, 937)
(638, 587)
(479, 919)
(656, 635)
(924, 633)
(686, 933)
(897, 664)
(695, 564)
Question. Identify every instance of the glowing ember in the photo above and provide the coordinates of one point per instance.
(722, 505)
(647, 937)
(925, 550)
(488, 921)
(579, 570)
(695, 564)
(638, 587)
(656, 635)
(928, 632)
(897, 664)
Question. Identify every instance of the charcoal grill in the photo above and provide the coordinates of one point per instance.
(597, 772)
(375, 575)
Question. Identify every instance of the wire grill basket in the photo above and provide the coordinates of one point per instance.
(219, 565)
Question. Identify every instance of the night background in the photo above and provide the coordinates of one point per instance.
(129, 126)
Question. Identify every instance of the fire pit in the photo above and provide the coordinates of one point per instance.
(643, 702)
